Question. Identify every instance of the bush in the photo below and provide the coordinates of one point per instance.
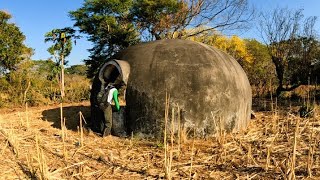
(77, 88)
(35, 82)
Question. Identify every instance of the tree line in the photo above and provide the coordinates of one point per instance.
(289, 49)
(287, 56)
(36, 82)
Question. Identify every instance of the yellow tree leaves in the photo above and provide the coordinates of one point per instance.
(234, 45)
(238, 49)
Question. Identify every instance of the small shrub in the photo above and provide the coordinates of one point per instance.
(306, 111)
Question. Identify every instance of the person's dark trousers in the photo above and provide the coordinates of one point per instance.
(107, 120)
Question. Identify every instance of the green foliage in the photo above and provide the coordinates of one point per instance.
(158, 17)
(47, 69)
(108, 25)
(299, 68)
(77, 88)
(12, 47)
(62, 39)
(35, 82)
(77, 69)
(18, 83)
(291, 43)
(62, 42)
(116, 24)
(261, 71)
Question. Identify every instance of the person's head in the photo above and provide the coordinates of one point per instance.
(110, 86)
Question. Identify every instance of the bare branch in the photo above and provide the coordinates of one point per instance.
(288, 36)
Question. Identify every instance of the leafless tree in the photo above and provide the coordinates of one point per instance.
(201, 15)
(216, 15)
(280, 31)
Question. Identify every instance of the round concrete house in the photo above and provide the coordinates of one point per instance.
(206, 87)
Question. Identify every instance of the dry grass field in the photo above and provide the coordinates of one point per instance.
(277, 145)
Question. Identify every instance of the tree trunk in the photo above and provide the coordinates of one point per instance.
(62, 77)
(26, 91)
(280, 73)
(62, 88)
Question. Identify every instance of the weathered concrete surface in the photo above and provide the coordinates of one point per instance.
(209, 86)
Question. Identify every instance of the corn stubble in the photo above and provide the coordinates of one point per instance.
(276, 145)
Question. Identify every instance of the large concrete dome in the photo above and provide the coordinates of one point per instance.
(209, 86)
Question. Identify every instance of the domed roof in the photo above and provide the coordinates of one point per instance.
(208, 86)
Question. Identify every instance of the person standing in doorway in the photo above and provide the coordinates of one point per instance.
(110, 95)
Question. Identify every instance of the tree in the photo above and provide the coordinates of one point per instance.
(116, 24)
(306, 50)
(261, 71)
(109, 27)
(47, 69)
(62, 39)
(32, 81)
(170, 18)
(12, 48)
(157, 19)
(77, 69)
(234, 46)
(282, 30)
(20, 81)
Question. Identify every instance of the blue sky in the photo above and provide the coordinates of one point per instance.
(36, 17)
(310, 8)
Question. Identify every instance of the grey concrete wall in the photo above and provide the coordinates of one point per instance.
(208, 85)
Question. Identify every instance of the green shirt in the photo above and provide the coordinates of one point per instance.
(115, 98)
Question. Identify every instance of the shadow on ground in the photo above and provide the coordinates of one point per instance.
(71, 115)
